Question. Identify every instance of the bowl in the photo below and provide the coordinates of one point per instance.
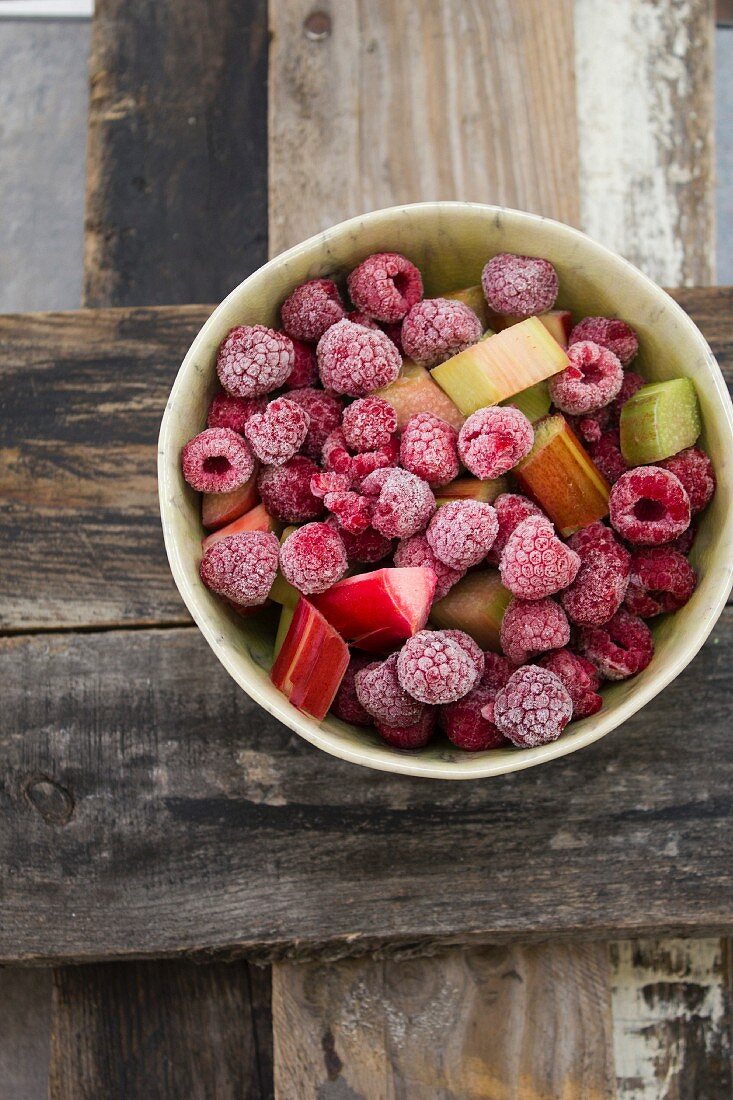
(450, 242)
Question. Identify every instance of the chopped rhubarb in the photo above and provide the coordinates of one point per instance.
(475, 299)
(475, 605)
(533, 402)
(257, 519)
(311, 662)
(471, 488)
(558, 322)
(219, 509)
(658, 421)
(377, 611)
(415, 392)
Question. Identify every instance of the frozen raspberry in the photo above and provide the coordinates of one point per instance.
(277, 433)
(356, 361)
(591, 427)
(519, 285)
(497, 670)
(435, 668)
(535, 563)
(217, 460)
(621, 648)
(311, 309)
(695, 470)
(227, 411)
(591, 380)
(417, 552)
(313, 558)
(346, 705)
(404, 505)
(359, 318)
(415, 736)
(253, 360)
(579, 676)
(531, 627)
(428, 448)
(511, 509)
(286, 492)
(379, 691)
(329, 482)
(610, 333)
(337, 457)
(241, 568)
(368, 424)
(472, 648)
(385, 286)
(464, 724)
(394, 331)
(462, 531)
(438, 328)
(683, 544)
(352, 511)
(631, 384)
(305, 370)
(598, 590)
(493, 440)
(606, 455)
(324, 410)
(365, 548)
(534, 707)
(661, 580)
(649, 506)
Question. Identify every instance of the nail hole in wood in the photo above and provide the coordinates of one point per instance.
(317, 26)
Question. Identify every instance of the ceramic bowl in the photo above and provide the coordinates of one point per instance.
(450, 242)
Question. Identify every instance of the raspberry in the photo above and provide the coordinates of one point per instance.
(600, 586)
(493, 440)
(356, 361)
(305, 370)
(429, 449)
(435, 668)
(227, 411)
(592, 379)
(591, 427)
(649, 506)
(253, 360)
(534, 707)
(695, 470)
(511, 509)
(324, 410)
(631, 383)
(464, 724)
(241, 567)
(472, 648)
(285, 490)
(394, 332)
(438, 328)
(534, 562)
(579, 676)
(368, 424)
(683, 544)
(385, 286)
(610, 333)
(531, 627)
(277, 433)
(621, 648)
(311, 309)
(415, 736)
(497, 670)
(520, 285)
(359, 318)
(415, 552)
(346, 705)
(328, 482)
(365, 548)
(462, 531)
(606, 455)
(379, 691)
(313, 558)
(352, 511)
(661, 580)
(336, 457)
(404, 505)
(217, 460)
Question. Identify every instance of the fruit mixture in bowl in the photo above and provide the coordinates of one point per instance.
(467, 507)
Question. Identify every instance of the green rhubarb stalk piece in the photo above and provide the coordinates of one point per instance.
(286, 618)
(659, 420)
(415, 392)
(534, 402)
(474, 298)
(471, 488)
(475, 605)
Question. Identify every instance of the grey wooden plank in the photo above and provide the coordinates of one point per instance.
(25, 1013)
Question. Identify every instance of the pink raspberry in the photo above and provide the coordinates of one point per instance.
(620, 648)
(311, 309)
(286, 493)
(305, 370)
(241, 568)
(591, 380)
(337, 457)
(519, 285)
(493, 440)
(695, 470)
(436, 668)
(610, 333)
(404, 503)
(606, 455)
(313, 558)
(277, 433)
(394, 332)
(385, 286)
(631, 384)
(472, 648)
(534, 707)
(461, 532)
(531, 627)
(368, 424)
(511, 509)
(661, 580)
(217, 460)
(649, 506)
(352, 511)
(591, 427)
(579, 676)
(356, 361)
(359, 318)
(227, 411)
(329, 482)
(415, 736)
(464, 724)
(324, 410)
(365, 548)
(598, 590)
(253, 360)
(428, 448)
(380, 692)
(535, 563)
(417, 552)
(497, 670)
(438, 328)
(683, 544)
(346, 705)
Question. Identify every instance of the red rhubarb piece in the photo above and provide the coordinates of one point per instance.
(379, 610)
(219, 509)
(256, 519)
(311, 663)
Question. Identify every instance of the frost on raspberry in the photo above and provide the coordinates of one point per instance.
(429, 449)
(286, 492)
(326, 481)
(380, 692)
(337, 457)
(404, 503)
(385, 286)
(519, 285)
(346, 705)
(241, 568)
(253, 360)
(610, 333)
(305, 369)
(355, 360)
(415, 736)
(436, 668)
(531, 627)
(217, 460)
(579, 676)
(227, 411)
(621, 648)
(535, 563)
(324, 410)
(534, 707)
(591, 380)
(631, 384)
(649, 506)
(276, 434)
(695, 470)
(438, 328)
(661, 580)
(311, 309)
(493, 440)
(352, 511)
(599, 588)
(464, 724)
(416, 552)
(591, 426)
(606, 454)
(365, 548)
(462, 532)
(511, 509)
(313, 558)
(368, 424)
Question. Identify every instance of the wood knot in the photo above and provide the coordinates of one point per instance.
(52, 801)
(317, 26)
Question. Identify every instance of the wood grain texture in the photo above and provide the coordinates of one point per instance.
(25, 1017)
(498, 1022)
(176, 207)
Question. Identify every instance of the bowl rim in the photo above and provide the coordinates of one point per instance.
(385, 759)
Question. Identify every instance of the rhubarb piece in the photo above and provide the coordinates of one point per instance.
(534, 563)
(252, 360)
(534, 707)
(503, 365)
(493, 440)
(658, 421)
(560, 476)
(558, 322)
(286, 617)
(473, 297)
(475, 605)
(533, 402)
(437, 328)
(241, 568)
(471, 488)
(217, 460)
(385, 286)
(415, 392)
(649, 506)
(257, 519)
(311, 662)
(311, 309)
(355, 360)
(520, 285)
(435, 668)
(417, 551)
(219, 509)
(282, 591)
(313, 558)
(379, 610)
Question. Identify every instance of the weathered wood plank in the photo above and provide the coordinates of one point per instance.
(25, 1011)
